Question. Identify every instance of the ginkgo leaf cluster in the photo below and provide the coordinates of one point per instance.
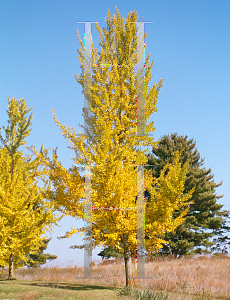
(111, 146)
(24, 214)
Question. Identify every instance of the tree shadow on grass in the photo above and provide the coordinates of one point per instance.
(69, 286)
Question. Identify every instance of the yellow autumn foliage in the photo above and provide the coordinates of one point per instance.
(112, 147)
(25, 213)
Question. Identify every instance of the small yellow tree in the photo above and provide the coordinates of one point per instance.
(25, 214)
(112, 149)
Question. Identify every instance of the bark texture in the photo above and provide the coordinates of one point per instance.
(127, 258)
(11, 266)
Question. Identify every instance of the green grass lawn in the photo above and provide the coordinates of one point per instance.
(32, 290)
(29, 290)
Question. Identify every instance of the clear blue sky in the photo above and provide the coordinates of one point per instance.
(189, 42)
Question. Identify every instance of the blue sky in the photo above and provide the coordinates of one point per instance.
(189, 42)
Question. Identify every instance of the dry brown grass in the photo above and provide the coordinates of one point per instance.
(188, 276)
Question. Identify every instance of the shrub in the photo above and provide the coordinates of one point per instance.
(143, 294)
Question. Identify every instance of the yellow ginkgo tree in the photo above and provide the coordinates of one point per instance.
(111, 148)
(25, 213)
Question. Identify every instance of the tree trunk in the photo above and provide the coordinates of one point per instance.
(11, 266)
(127, 258)
(126, 271)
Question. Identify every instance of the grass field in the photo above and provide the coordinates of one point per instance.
(30, 290)
(200, 278)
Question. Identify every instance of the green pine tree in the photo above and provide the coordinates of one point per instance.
(109, 252)
(40, 258)
(205, 218)
(221, 238)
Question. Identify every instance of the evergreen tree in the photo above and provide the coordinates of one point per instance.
(221, 238)
(109, 252)
(40, 258)
(205, 218)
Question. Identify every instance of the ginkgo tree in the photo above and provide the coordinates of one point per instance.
(25, 213)
(111, 147)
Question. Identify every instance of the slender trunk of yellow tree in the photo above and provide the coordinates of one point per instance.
(126, 269)
(127, 257)
(11, 266)
(129, 263)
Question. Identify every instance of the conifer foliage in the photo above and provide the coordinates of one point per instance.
(205, 219)
(25, 215)
(40, 258)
